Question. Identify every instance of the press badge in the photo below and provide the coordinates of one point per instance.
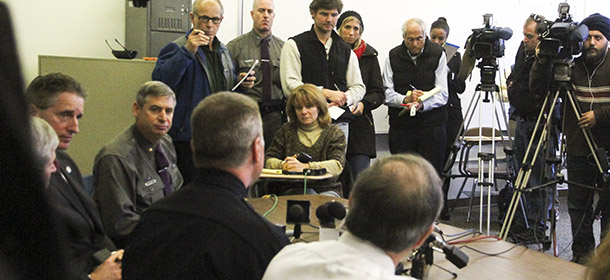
(150, 182)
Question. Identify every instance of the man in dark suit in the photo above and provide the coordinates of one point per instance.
(60, 100)
(207, 230)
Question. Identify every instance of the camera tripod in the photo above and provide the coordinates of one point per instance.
(564, 90)
(486, 162)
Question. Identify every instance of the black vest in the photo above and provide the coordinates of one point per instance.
(315, 68)
(421, 76)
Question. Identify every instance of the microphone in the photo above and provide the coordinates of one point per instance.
(452, 253)
(328, 212)
(297, 213)
(294, 212)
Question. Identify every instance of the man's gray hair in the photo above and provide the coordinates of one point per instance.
(224, 127)
(394, 202)
(44, 141)
(420, 22)
(154, 89)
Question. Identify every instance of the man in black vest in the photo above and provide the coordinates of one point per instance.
(415, 67)
(320, 57)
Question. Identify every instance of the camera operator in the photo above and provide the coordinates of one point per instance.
(591, 85)
(526, 108)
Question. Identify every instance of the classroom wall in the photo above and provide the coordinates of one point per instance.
(79, 27)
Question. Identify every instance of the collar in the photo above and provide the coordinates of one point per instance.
(142, 142)
(258, 39)
(315, 125)
(221, 179)
(369, 251)
(333, 35)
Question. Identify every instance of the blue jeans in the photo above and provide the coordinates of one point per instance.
(580, 201)
(358, 163)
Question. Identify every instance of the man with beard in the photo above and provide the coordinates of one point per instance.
(320, 57)
(591, 85)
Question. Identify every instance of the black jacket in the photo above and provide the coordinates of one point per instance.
(361, 138)
(76, 219)
(454, 84)
(205, 231)
(422, 76)
(526, 104)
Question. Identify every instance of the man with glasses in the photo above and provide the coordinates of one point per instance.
(413, 68)
(195, 66)
(260, 45)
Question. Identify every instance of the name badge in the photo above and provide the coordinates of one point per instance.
(150, 182)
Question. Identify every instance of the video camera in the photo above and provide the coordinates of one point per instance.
(485, 43)
(488, 42)
(562, 38)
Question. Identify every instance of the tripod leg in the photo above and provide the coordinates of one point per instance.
(523, 178)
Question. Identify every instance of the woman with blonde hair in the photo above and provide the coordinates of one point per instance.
(361, 141)
(308, 130)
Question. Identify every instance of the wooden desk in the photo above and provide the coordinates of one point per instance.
(270, 174)
(273, 181)
(518, 263)
(278, 215)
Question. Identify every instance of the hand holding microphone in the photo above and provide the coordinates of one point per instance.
(195, 39)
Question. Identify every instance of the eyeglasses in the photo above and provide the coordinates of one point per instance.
(416, 39)
(205, 19)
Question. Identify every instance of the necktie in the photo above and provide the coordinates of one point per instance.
(162, 165)
(266, 67)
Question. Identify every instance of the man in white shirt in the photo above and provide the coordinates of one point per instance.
(405, 186)
(414, 67)
(320, 57)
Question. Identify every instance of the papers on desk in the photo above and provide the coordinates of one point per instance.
(272, 171)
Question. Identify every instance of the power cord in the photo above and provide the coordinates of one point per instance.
(274, 204)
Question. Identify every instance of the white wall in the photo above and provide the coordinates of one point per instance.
(66, 28)
(79, 27)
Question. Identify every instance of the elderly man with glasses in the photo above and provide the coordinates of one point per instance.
(195, 66)
(414, 68)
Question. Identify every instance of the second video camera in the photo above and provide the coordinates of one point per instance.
(562, 38)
